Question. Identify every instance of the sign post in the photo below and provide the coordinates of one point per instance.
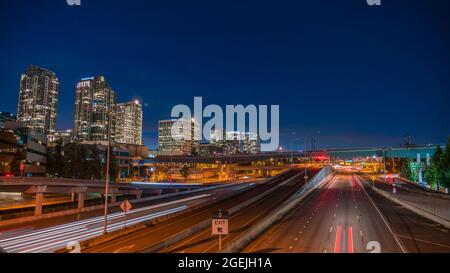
(373, 178)
(220, 225)
(126, 207)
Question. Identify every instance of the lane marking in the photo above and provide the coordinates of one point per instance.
(337, 242)
(124, 249)
(350, 240)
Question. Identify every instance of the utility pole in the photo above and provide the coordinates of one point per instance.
(306, 168)
(108, 150)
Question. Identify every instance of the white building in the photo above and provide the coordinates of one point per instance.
(129, 123)
(183, 139)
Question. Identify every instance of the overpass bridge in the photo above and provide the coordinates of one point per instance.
(389, 152)
(39, 186)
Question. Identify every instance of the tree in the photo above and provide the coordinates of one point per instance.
(95, 164)
(406, 170)
(185, 170)
(55, 160)
(445, 165)
(432, 176)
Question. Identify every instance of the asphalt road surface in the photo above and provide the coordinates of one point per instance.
(338, 217)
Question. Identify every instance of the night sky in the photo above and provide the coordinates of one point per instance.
(361, 75)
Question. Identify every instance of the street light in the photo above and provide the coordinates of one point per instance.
(384, 163)
(108, 150)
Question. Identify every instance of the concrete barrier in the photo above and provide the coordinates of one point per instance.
(206, 223)
(323, 176)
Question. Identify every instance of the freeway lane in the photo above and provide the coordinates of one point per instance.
(338, 217)
(204, 242)
(418, 234)
(141, 240)
(52, 237)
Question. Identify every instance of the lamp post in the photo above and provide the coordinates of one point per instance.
(108, 150)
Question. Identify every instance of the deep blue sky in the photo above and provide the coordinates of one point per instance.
(360, 75)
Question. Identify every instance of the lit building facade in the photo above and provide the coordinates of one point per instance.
(6, 117)
(64, 137)
(129, 123)
(232, 143)
(182, 140)
(95, 105)
(38, 97)
(23, 151)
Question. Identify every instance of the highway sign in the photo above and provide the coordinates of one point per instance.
(417, 166)
(220, 214)
(220, 226)
(126, 206)
(220, 223)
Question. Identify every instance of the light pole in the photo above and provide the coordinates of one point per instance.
(384, 163)
(108, 150)
(306, 168)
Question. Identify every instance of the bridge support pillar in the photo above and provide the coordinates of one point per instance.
(80, 200)
(39, 201)
(139, 195)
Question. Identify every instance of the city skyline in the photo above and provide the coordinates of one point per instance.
(279, 60)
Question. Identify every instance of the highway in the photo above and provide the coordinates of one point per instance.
(204, 242)
(346, 216)
(142, 240)
(45, 237)
(338, 217)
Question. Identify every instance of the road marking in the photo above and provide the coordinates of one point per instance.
(337, 242)
(124, 249)
(331, 229)
(296, 239)
(334, 215)
(350, 240)
(360, 232)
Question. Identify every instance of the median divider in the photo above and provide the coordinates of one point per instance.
(320, 178)
(165, 244)
(409, 206)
